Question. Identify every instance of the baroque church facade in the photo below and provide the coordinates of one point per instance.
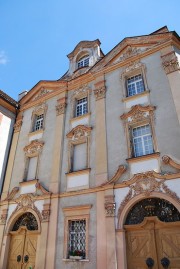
(93, 177)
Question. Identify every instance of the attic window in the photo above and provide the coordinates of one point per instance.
(83, 62)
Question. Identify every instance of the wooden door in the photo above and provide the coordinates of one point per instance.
(23, 246)
(168, 243)
(153, 239)
(16, 249)
(29, 251)
(141, 244)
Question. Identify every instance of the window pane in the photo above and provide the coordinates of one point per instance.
(142, 140)
(32, 168)
(79, 157)
(135, 85)
(39, 122)
(81, 107)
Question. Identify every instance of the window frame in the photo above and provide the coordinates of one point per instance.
(79, 94)
(139, 116)
(72, 143)
(82, 61)
(134, 151)
(137, 68)
(40, 110)
(135, 82)
(69, 232)
(38, 122)
(74, 213)
(81, 106)
(37, 147)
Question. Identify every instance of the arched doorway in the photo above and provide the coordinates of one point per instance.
(23, 242)
(152, 234)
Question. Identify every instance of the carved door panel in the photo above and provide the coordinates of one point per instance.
(140, 242)
(153, 239)
(168, 245)
(16, 251)
(29, 251)
(22, 253)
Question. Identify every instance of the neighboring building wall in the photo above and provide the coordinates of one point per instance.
(7, 120)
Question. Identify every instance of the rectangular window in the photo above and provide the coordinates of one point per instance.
(142, 140)
(32, 167)
(39, 122)
(79, 157)
(135, 85)
(81, 107)
(77, 238)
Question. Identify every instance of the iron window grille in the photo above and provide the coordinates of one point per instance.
(77, 238)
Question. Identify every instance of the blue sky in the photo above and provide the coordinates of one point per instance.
(36, 35)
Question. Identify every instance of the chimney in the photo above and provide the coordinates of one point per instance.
(21, 95)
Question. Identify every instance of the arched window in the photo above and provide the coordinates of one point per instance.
(28, 220)
(83, 61)
(164, 210)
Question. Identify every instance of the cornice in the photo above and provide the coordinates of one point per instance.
(32, 98)
(108, 69)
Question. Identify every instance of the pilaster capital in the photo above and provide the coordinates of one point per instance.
(61, 106)
(170, 62)
(109, 206)
(100, 92)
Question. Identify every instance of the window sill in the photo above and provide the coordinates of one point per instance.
(36, 132)
(137, 99)
(80, 120)
(83, 171)
(78, 180)
(74, 260)
(144, 157)
(80, 117)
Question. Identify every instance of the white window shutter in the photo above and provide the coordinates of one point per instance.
(32, 168)
(80, 157)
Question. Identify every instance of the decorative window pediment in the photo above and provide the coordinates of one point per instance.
(79, 132)
(34, 148)
(140, 133)
(78, 148)
(138, 113)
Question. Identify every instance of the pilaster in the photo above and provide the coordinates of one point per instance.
(55, 181)
(100, 129)
(110, 229)
(172, 68)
